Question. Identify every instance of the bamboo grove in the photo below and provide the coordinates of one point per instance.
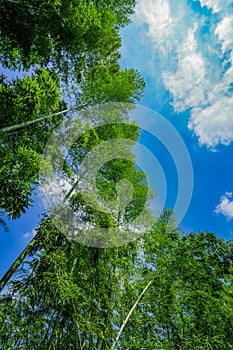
(164, 290)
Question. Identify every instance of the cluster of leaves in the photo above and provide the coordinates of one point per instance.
(70, 296)
(75, 45)
(70, 34)
(24, 100)
(188, 305)
(82, 283)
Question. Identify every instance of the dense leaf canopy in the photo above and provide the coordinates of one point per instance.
(164, 289)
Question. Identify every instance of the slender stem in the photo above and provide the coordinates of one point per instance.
(75, 311)
(22, 125)
(4, 280)
(57, 319)
(129, 314)
(16, 264)
(75, 318)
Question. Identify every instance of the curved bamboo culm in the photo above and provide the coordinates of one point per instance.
(7, 276)
(128, 316)
(5, 279)
(22, 125)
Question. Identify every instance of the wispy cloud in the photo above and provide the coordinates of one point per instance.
(29, 234)
(225, 206)
(215, 5)
(159, 21)
(196, 58)
(185, 84)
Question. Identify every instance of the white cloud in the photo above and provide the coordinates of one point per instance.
(215, 5)
(214, 124)
(198, 66)
(30, 234)
(164, 19)
(185, 84)
(225, 207)
(224, 31)
(54, 190)
(157, 15)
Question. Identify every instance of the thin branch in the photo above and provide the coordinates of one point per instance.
(4, 280)
(29, 247)
(75, 318)
(57, 319)
(129, 314)
(16, 264)
(22, 125)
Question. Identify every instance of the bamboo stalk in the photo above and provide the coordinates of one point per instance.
(22, 125)
(129, 314)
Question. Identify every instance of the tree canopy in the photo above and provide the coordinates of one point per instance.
(68, 295)
(163, 290)
(71, 39)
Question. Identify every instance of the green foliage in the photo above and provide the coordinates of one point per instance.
(23, 100)
(122, 9)
(73, 296)
(64, 33)
(31, 96)
(106, 181)
(72, 38)
(101, 84)
(85, 290)
(185, 308)
(17, 179)
(65, 295)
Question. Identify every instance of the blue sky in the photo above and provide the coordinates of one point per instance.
(184, 50)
